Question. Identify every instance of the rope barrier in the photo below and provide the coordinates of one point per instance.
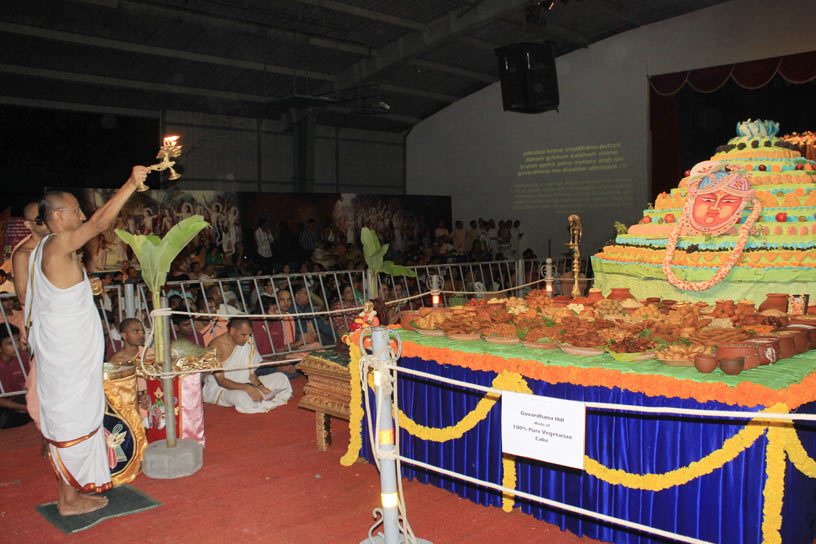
(370, 363)
(556, 504)
(606, 406)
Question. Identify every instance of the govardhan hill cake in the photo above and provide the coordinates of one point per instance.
(738, 226)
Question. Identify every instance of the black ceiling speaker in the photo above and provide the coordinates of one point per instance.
(528, 80)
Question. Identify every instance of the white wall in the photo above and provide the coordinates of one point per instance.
(472, 150)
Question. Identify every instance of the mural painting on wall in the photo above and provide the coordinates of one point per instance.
(403, 221)
(155, 212)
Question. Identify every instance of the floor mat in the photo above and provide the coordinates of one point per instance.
(122, 501)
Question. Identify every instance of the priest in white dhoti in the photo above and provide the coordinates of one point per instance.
(66, 337)
(238, 385)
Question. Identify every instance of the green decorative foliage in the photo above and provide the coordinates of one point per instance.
(374, 254)
(156, 254)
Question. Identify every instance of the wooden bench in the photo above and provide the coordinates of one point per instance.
(327, 391)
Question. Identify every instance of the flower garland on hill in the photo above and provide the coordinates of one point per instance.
(721, 180)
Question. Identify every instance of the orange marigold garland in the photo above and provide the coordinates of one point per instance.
(724, 269)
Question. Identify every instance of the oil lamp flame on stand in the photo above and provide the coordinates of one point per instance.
(170, 149)
(546, 271)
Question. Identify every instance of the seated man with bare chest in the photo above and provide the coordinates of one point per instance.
(237, 384)
(133, 337)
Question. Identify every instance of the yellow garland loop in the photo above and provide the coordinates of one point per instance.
(506, 381)
(774, 490)
(508, 480)
(355, 408)
(730, 449)
(782, 440)
(797, 454)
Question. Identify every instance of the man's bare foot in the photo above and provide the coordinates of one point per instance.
(72, 503)
(82, 504)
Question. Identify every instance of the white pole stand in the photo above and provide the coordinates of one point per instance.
(170, 458)
(388, 516)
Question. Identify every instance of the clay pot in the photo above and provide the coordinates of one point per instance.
(705, 362)
(562, 300)
(406, 317)
(775, 301)
(653, 300)
(809, 329)
(767, 348)
(787, 348)
(746, 307)
(733, 350)
(594, 295)
(801, 339)
(732, 367)
(619, 293)
(811, 310)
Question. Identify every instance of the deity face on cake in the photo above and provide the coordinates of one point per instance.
(717, 200)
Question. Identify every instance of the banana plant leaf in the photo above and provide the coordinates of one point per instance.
(156, 254)
(374, 254)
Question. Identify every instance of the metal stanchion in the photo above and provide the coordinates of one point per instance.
(385, 443)
(130, 300)
(548, 276)
(435, 290)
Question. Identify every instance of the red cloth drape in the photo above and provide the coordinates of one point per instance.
(798, 68)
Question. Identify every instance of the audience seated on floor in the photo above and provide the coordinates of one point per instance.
(13, 371)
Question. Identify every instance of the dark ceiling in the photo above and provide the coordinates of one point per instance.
(351, 60)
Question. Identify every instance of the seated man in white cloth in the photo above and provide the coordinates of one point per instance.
(66, 338)
(238, 385)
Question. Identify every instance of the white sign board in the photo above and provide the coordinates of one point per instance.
(543, 428)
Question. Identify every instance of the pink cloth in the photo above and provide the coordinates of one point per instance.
(192, 408)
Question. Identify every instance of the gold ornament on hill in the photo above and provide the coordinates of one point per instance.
(575, 231)
(170, 149)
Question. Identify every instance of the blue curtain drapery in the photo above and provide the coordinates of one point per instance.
(725, 506)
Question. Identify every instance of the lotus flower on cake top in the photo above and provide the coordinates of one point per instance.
(739, 226)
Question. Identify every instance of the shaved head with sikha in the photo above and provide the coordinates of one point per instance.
(60, 211)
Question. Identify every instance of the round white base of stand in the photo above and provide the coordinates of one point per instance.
(379, 538)
(163, 463)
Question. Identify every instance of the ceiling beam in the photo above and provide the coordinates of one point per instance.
(477, 43)
(440, 30)
(233, 25)
(461, 72)
(438, 97)
(363, 13)
(130, 47)
(408, 119)
(76, 106)
(132, 84)
(616, 10)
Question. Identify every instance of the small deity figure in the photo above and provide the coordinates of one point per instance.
(575, 230)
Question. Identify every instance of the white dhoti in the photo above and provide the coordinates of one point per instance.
(238, 367)
(66, 338)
